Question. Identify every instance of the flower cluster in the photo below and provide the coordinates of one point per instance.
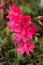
(23, 29)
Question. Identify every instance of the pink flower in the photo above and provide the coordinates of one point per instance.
(26, 33)
(2, 6)
(25, 47)
(14, 13)
(40, 17)
(14, 26)
(18, 26)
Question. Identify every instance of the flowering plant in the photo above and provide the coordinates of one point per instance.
(23, 29)
(21, 33)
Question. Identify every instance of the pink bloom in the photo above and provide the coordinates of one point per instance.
(40, 17)
(14, 26)
(18, 26)
(26, 47)
(26, 33)
(14, 13)
(2, 6)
